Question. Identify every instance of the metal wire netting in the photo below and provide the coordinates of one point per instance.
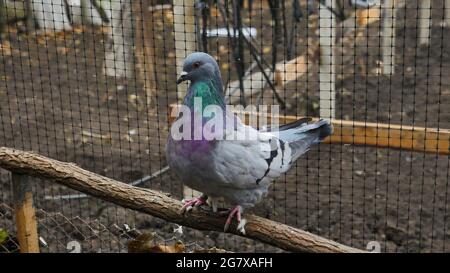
(91, 82)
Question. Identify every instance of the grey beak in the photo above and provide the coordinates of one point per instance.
(183, 77)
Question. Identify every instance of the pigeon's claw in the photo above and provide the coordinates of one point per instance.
(195, 202)
(241, 226)
(236, 211)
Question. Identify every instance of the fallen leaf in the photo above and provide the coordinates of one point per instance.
(5, 48)
(267, 49)
(211, 250)
(214, 12)
(223, 49)
(62, 50)
(128, 138)
(78, 29)
(40, 39)
(169, 16)
(315, 105)
(60, 35)
(145, 243)
(178, 247)
(105, 29)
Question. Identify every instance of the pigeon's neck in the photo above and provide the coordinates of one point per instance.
(207, 91)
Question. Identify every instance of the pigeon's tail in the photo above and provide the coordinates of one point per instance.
(301, 135)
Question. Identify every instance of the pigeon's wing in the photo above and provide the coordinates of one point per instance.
(248, 159)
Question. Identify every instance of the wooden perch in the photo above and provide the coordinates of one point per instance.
(160, 204)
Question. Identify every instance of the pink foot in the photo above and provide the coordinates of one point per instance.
(236, 211)
(195, 202)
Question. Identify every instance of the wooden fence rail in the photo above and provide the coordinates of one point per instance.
(160, 204)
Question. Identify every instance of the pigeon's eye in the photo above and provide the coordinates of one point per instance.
(196, 65)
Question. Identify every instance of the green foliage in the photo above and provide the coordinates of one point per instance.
(3, 235)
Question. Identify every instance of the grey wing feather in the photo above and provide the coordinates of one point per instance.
(251, 163)
(302, 137)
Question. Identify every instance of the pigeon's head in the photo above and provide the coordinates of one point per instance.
(199, 66)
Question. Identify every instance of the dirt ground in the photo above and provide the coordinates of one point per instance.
(55, 100)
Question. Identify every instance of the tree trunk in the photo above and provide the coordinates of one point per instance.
(145, 47)
(160, 204)
(2, 16)
(119, 55)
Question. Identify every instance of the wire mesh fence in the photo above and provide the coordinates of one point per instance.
(91, 82)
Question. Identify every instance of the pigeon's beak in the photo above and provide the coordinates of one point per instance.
(182, 77)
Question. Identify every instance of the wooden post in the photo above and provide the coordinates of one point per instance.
(447, 13)
(119, 54)
(424, 22)
(25, 214)
(388, 39)
(145, 46)
(185, 39)
(327, 36)
(185, 43)
(2, 16)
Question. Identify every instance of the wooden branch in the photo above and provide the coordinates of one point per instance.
(160, 205)
(419, 139)
(25, 214)
(101, 11)
(291, 70)
(286, 72)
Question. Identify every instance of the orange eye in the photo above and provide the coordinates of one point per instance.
(196, 65)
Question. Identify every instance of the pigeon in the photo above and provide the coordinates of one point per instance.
(238, 162)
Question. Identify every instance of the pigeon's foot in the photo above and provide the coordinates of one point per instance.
(236, 211)
(195, 202)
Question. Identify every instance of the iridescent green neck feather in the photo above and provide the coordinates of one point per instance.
(206, 90)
